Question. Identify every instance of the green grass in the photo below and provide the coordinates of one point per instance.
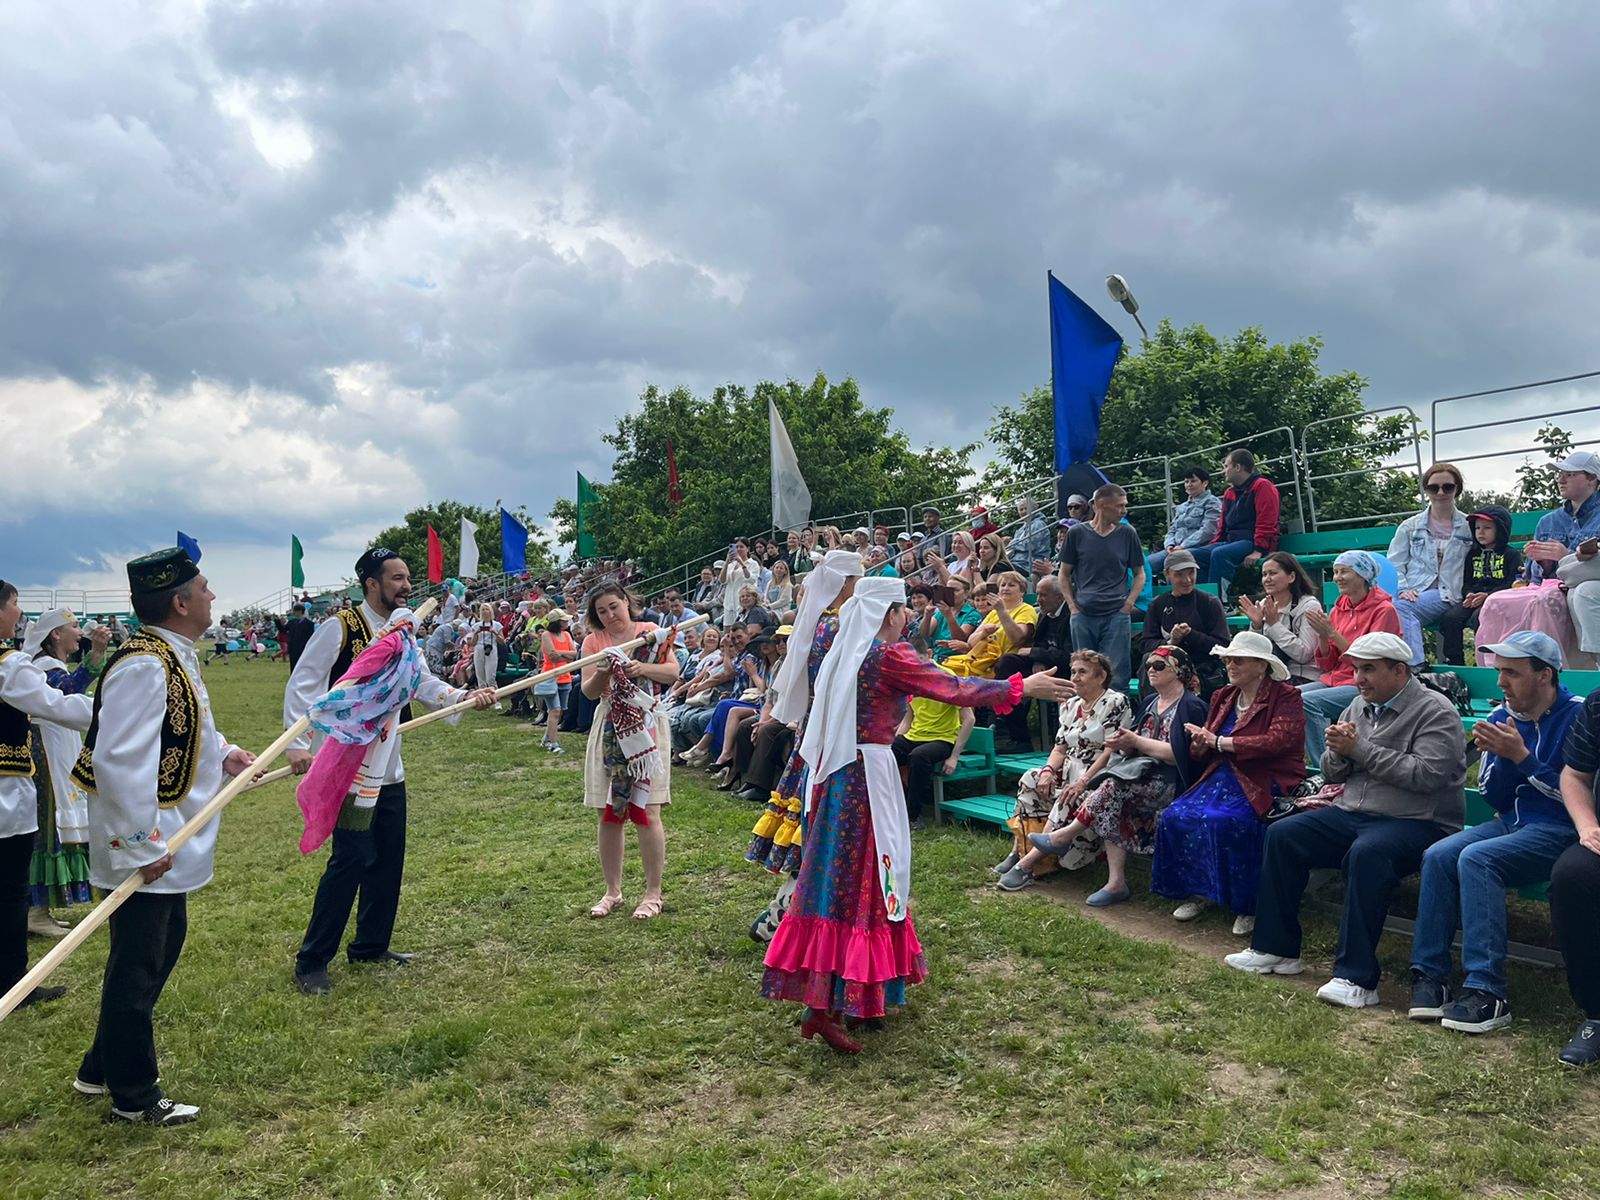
(531, 1051)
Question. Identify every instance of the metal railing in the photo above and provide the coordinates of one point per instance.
(82, 602)
(1544, 415)
(1385, 445)
(1284, 480)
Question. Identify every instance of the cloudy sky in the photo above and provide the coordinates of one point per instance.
(298, 266)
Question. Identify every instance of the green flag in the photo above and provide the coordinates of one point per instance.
(297, 571)
(586, 497)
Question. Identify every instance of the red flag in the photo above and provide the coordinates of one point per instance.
(435, 557)
(674, 492)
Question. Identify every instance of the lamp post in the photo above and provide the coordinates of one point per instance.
(1120, 292)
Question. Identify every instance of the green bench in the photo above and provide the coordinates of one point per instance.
(1318, 550)
(977, 761)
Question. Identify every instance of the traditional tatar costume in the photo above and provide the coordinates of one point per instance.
(59, 875)
(369, 838)
(847, 946)
(25, 693)
(776, 840)
(152, 759)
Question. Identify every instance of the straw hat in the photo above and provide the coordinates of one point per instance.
(1249, 644)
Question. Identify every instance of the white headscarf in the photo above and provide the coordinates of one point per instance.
(830, 741)
(794, 677)
(48, 623)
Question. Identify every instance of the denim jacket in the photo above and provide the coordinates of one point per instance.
(1194, 522)
(1032, 540)
(1412, 553)
(1568, 528)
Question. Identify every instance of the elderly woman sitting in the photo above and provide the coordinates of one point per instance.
(1209, 841)
(1048, 795)
(1362, 607)
(1151, 764)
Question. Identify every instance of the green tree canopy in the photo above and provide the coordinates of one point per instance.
(1188, 389)
(852, 459)
(410, 539)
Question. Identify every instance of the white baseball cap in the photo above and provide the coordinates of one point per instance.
(1380, 645)
(1586, 461)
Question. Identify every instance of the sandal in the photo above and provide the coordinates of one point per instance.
(647, 909)
(604, 906)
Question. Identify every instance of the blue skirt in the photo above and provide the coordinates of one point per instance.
(1209, 843)
(719, 722)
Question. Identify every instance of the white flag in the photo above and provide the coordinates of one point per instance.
(791, 499)
(469, 549)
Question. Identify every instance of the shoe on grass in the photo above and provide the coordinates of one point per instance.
(1105, 897)
(1429, 998)
(1347, 994)
(1188, 910)
(1243, 926)
(41, 995)
(1476, 1012)
(1005, 864)
(84, 1088)
(163, 1112)
(313, 983)
(1584, 1048)
(1257, 962)
(1015, 880)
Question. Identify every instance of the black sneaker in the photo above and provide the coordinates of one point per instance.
(163, 1112)
(1429, 998)
(313, 983)
(41, 995)
(1584, 1048)
(1477, 1012)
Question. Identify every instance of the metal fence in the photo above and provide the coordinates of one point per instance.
(1383, 443)
(1451, 407)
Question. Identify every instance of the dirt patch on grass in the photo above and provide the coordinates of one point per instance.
(1235, 1081)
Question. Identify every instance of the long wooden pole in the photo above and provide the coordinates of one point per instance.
(81, 932)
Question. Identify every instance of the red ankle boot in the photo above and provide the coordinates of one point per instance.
(828, 1027)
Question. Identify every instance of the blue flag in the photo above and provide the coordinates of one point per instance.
(189, 546)
(1083, 351)
(513, 544)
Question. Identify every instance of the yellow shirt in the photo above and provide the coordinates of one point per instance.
(933, 720)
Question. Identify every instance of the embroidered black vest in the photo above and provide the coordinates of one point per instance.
(180, 724)
(357, 637)
(16, 739)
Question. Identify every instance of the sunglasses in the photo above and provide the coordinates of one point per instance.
(1157, 664)
(1441, 489)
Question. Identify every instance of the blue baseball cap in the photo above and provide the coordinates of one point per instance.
(1529, 643)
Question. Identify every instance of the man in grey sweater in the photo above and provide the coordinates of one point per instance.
(1400, 755)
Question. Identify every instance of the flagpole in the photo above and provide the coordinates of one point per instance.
(102, 912)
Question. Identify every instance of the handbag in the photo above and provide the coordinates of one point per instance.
(1126, 768)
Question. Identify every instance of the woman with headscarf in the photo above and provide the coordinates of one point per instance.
(847, 947)
(59, 874)
(1362, 607)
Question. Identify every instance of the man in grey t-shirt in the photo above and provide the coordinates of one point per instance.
(1101, 574)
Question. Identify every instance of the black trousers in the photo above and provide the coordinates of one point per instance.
(370, 862)
(921, 761)
(1375, 853)
(147, 935)
(1575, 912)
(16, 855)
(1457, 619)
(1014, 724)
(767, 758)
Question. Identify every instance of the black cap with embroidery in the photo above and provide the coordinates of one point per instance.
(370, 564)
(160, 571)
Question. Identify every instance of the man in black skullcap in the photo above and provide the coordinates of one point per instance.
(369, 841)
(151, 761)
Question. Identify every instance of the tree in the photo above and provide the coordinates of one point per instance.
(410, 539)
(1189, 389)
(853, 462)
(1536, 482)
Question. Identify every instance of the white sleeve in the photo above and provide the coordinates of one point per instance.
(127, 758)
(308, 682)
(435, 692)
(24, 686)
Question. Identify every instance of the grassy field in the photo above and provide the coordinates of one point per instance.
(531, 1051)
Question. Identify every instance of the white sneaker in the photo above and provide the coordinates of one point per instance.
(1255, 962)
(1350, 995)
(1188, 910)
(1244, 926)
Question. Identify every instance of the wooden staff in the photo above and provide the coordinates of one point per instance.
(523, 684)
(102, 911)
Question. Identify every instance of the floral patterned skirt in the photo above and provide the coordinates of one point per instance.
(1124, 813)
(836, 948)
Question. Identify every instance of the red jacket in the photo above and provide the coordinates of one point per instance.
(1251, 514)
(1269, 743)
(1375, 614)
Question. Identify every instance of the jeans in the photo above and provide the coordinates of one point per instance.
(1575, 913)
(1416, 615)
(1112, 635)
(147, 935)
(1219, 560)
(1323, 706)
(921, 760)
(1375, 852)
(369, 861)
(1158, 566)
(1465, 877)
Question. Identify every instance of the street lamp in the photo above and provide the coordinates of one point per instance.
(1118, 287)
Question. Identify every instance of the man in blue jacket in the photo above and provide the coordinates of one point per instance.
(1465, 876)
